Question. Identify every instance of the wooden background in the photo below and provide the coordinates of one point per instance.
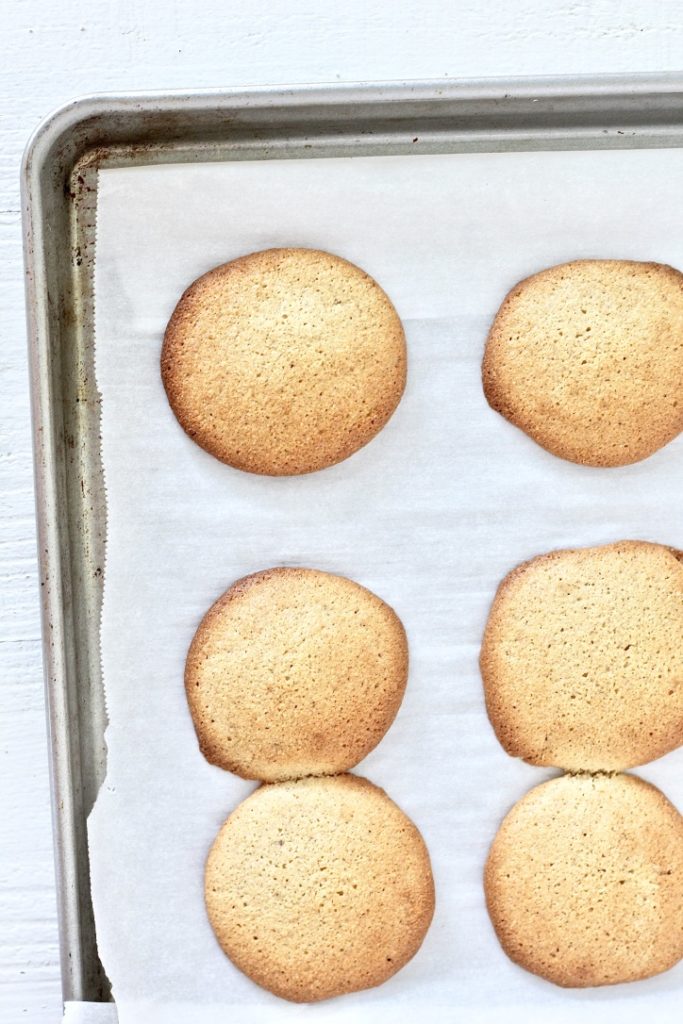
(54, 50)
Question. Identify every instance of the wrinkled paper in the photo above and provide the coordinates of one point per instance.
(430, 515)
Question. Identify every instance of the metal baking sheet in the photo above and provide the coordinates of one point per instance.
(59, 181)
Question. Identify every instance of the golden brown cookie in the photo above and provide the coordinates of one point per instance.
(587, 358)
(582, 657)
(295, 672)
(584, 881)
(319, 887)
(284, 361)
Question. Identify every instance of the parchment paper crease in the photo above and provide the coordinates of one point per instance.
(430, 515)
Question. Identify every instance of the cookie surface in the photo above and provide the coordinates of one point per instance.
(582, 660)
(319, 887)
(284, 361)
(587, 358)
(295, 672)
(584, 881)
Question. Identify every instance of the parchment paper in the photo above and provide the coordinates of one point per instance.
(89, 1013)
(430, 516)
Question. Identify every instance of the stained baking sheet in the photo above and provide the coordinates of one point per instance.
(430, 515)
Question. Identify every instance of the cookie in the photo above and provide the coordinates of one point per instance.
(584, 881)
(284, 361)
(587, 358)
(295, 672)
(582, 659)
(319, 887)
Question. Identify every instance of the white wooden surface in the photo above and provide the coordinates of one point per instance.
(54, 50)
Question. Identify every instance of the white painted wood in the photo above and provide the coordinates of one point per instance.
(54, 50)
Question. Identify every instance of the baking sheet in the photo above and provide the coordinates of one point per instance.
(430, 515)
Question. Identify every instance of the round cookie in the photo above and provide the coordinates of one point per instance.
(284, 361)
(584, 881)
(319, 887)
(582, 659)
(295, 672)
(587, 358)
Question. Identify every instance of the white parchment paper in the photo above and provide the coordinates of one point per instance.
(430, 515)
(89, 1013)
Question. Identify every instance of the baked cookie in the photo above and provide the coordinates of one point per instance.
(284, 361)
(319, 887)
(582, 657)
(587, 358)
(584, 881)
(295, 672)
